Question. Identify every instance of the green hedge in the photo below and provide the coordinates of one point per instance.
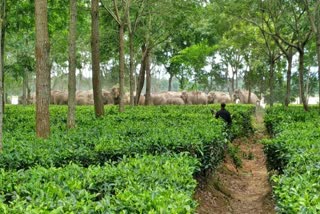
(153, 130)
(152, 155)
(294, 152)
(146, 184)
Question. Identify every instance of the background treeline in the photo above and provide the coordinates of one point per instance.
(192, 45)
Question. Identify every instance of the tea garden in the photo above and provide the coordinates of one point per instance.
(148, 159)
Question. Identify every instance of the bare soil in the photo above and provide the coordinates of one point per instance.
(244, 190)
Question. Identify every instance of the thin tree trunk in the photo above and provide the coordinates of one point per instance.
(132, 77)
(72, 65)
(301, 85)
(271, 80)
(2, 35)
(96, 84)
(288, 90)
(170, 82)
(237, 84)
(141, 75)
(307, 86)
(25, 87)
(228, 83)
(170, 78)
(121, 66)
(232, 82)
(318, 58)
(43, 69)
(1, 75)
(148, 78)
(249, 88)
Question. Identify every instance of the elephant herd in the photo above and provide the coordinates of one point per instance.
(164, 98)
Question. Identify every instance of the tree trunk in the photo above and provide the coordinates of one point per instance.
(271, 80)
(227, 83)
(96, 84)
(249, 87)
(132, 77)
(1, 74)
(170, 82)
(307, 86)
(318, 58)
(42, 69)
(301, 85)
(148, 78)
(237, 83)
(2, 35)
(170, 78)
(249, 96)
(141, 75)
(25, 87)
(232, 82)
(288, 90)
(72, 65)
(121, 66)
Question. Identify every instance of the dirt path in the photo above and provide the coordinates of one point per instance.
(244, 190)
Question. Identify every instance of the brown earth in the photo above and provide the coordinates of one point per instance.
(244, 190)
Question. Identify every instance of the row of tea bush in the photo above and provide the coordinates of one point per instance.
(294, 153)
(141, 161)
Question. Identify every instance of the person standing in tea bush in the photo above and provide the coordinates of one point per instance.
(224, 114)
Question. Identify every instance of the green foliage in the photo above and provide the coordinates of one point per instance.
(153, 130)
(140, 161)
(194, 56)
(234, 153)
(294, 152)
(278, 117)
(144, 184)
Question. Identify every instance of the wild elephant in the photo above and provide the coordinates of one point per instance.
(171, 94)
(243, 96)
(59, 97)
(142, 100)
(126, 98)
(53, 94)
(84, 97)
(194, 98)
(107, 97)
(158, 99)
(175, 101)
(115, 91)
(218, 97)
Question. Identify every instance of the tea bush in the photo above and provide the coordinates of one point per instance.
(144, 184)
(139, 161)
(153, 130)
(294, 152)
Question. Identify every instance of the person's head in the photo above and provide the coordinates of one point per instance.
(223, 105)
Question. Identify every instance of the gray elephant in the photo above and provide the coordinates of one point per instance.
(107, 97)
(243, 96)
(175, 101)
(59, 97)
(218, 97)
(194, 98)
(158, 99)
(84, 97)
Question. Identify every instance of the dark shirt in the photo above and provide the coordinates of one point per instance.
(225, 115)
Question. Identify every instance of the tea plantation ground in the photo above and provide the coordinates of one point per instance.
(161, 159)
